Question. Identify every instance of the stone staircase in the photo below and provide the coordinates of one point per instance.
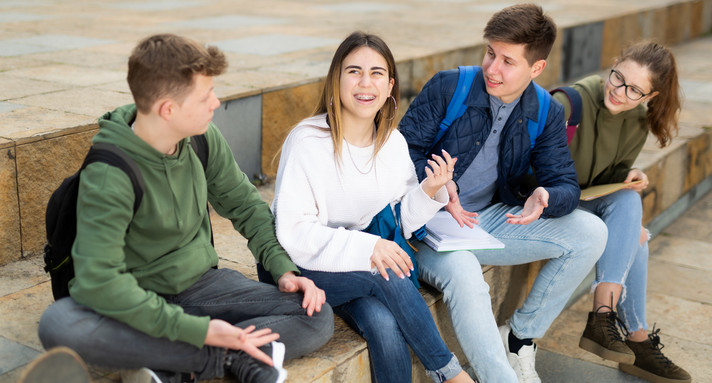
(41, 147)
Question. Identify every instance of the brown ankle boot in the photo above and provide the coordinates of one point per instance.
(650, 363)
(602, 338)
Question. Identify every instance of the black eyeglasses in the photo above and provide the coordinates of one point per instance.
(633, 93)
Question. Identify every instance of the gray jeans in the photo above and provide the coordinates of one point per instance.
(221, 294)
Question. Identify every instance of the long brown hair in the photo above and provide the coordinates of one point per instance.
(664, 108)
(330, 102)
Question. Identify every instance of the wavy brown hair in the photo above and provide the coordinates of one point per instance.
(165, 65)
(330, 102)
(664, 108)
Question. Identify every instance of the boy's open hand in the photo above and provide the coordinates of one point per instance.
(533, 208)
(223, 334)
(462, 216)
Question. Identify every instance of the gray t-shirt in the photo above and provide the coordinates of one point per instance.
(477, 183)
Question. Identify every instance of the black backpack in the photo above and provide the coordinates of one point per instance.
(61, 214)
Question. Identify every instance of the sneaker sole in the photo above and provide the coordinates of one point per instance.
(639, 372)
(595, 348)
(278, 352)
(60, 364)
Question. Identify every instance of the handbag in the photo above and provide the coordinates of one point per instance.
(386, 225)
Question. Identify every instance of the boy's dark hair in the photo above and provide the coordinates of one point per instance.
(164, 65)
(523, 24)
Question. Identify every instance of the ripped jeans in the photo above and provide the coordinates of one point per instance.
(624, 260)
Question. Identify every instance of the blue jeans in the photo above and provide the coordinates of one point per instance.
(624, 261)
(388, 350)
(407, 307)
(221, 294)
(458, 275)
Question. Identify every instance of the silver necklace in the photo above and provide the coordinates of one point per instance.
(348, 149)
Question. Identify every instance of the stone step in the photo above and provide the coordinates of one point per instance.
(43, 144)
(44, 137)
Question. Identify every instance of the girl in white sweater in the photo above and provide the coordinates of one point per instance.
(339, 169)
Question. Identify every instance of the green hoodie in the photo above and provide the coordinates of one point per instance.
(605, 145)
(122, 262)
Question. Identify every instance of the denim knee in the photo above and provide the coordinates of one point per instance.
(594, 235)
(55, 327)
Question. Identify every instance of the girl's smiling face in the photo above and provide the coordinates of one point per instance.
(364, 85)
(627, 80)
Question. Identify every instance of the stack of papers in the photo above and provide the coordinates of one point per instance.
(445, 234)
(594, 192)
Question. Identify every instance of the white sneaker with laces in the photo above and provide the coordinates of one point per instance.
(523, 361)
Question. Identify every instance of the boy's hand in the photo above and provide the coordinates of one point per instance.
(314, 297)
(533, 208)
(223, 334)
(462, 216)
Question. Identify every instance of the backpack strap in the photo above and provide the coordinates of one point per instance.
(576, 103)
(456, 108)
(535, 128)
(114, 156)
(201, 148)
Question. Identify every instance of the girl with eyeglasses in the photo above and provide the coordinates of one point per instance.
(640, 95)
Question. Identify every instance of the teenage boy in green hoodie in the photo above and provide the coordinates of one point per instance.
(146, 291)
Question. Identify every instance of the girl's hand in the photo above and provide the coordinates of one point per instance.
(637, 175)
(438, 174)
(388, 255)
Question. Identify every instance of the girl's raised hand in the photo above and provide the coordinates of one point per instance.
(438, 173)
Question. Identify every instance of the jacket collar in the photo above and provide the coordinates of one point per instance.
(528, 102)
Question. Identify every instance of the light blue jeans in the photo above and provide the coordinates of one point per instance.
(572, 244)
(624, 261)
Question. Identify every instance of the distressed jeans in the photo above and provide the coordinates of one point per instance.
(407, 307)
(219, 293)
(571, 243)
(624, 261)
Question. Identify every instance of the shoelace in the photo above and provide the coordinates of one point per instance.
(611, 321)
(657, 346)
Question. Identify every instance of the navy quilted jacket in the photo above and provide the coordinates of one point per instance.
(550, 156)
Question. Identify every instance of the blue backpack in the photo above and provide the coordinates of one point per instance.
(456, 108)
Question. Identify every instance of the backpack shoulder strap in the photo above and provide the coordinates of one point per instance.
(535, 128)
(201, 148)
(456, 108)
(114, 156)
(576, 103)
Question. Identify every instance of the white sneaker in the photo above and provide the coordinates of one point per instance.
(140, 375)
(523, 361)
(278, 350)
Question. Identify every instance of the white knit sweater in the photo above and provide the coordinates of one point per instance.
(321, 206)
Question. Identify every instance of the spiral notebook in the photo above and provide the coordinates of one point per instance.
(445, 234)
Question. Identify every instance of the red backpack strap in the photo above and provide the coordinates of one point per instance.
(576, 109)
